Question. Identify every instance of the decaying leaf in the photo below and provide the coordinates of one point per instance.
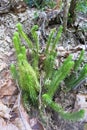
(4, 111)
(7, 126)
(36, 124)
(22, 122)
(8, 88)
(81, 103)
(2, 66)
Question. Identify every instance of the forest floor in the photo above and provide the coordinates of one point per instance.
(12, 114)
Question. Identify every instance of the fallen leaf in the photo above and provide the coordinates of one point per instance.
(7, 126)
(4, 111)
(8, 88)
(2, 66)
(85, 126)
(19, 7)
(36, 124)
(81, 103)
(22, 122)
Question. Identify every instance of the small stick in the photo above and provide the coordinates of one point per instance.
(19, 100)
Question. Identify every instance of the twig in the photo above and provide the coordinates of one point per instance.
(19, 100)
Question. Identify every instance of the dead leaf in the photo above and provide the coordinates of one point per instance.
(9, 100)
(85, 126)
(36, 124)
(8, 88)
(2, 66)
(81, 103)
(7, 126)
(22, 122)
(19, 7)
(4, 111)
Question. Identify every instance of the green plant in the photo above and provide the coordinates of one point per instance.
(28, 73)
(41, 3)
(49, 3)
(78, 74)
(32, 3)
(82, 6)
(25, 74)
(65, 115)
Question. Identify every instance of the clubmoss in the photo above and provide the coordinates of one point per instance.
(29, 77)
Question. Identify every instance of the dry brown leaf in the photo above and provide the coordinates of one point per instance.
(4, 111)
(8, 88)
(7, 126)
(85, 126)
(9, 100)
(36, 124)
(22, 122)
(19, 7)
(58, 5)
(2, 65)
(81, 103)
